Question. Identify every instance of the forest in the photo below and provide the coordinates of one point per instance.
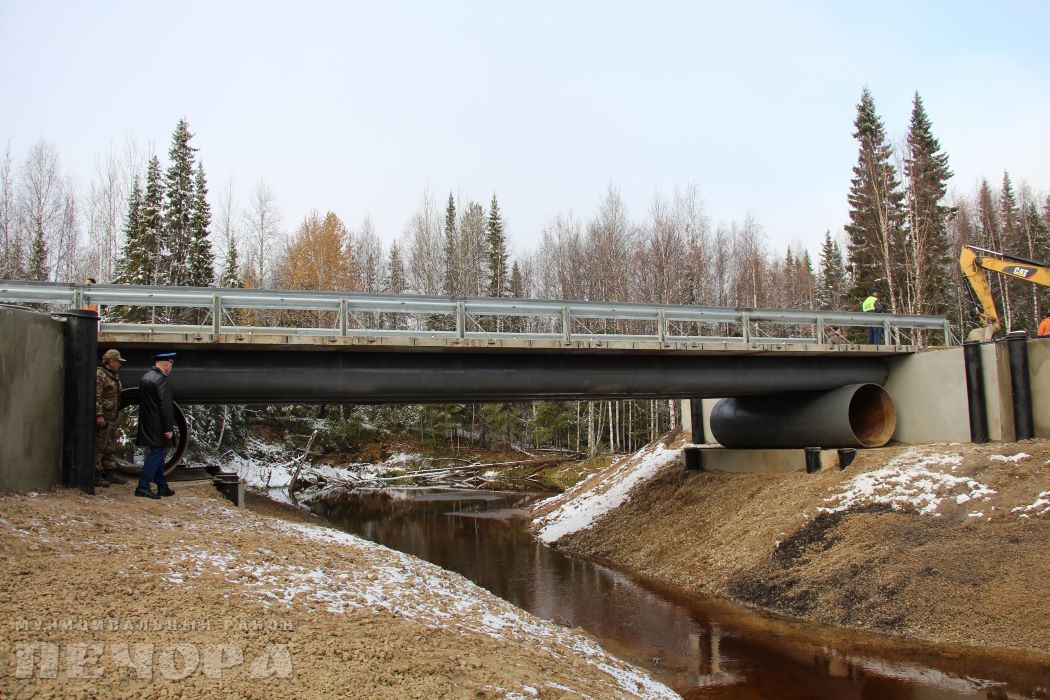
(140, 221)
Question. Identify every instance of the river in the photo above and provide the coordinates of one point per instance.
(701, 647)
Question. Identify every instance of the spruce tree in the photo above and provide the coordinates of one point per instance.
(927, 174)
(132, 250)
(37, 270)
(452, 277)
(1037, 235)
(516, 291)
(831, 278)
(1015, 307)
(876, 210)
(395, 284)
(141, 263)
(231, 271)
(201, 257)
(497, 245)
(178, 210)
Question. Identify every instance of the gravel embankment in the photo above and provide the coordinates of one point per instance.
(115, 596)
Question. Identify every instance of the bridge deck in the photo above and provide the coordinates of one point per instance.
(423, 343)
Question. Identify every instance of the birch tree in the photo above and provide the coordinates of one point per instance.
(262, 227)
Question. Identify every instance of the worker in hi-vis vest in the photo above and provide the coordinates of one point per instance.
(874, 306)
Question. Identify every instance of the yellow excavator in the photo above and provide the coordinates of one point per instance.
(974, 261)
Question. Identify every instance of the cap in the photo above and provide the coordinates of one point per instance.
(163, 357)
(112, 355)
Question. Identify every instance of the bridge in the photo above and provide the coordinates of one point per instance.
(291, 346)
(777, 371)
(406, 348)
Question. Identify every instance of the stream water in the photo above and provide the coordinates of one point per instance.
(701, 647)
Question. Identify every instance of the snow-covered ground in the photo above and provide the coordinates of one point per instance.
(268, 467)
(921, 480)
(582, 505)
(375, 577)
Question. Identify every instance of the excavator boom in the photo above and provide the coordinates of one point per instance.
(974, 261)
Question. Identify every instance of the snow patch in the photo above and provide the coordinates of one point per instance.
(585, 503)
(381, 578)
(910, 481)
(1012, 458)
(1041, 506)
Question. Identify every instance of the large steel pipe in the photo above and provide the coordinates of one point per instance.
(859, 415)
(296, 376)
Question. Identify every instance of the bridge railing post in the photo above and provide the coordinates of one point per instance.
(745, 326)
(461, 319)
(661, 325)
(886, 340)
(819, 334)
(344, 317)
(566, 324)
(216, 313)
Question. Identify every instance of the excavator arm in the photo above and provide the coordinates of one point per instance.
(974, 261)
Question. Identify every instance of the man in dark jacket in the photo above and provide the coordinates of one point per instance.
(156, 424)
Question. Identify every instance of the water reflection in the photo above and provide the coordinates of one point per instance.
(703, 648)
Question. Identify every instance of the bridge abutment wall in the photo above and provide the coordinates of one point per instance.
(32, 387)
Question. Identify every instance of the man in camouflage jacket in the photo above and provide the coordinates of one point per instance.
(107, 405)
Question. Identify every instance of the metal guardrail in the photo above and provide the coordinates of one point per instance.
(667, 320)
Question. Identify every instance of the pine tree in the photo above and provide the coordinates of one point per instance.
(201, 258)
(178, 209)
(876, 209)
(927, 246)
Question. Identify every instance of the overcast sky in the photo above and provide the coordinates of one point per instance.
(358, 107)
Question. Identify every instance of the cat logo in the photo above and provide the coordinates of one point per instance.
(1018, 271)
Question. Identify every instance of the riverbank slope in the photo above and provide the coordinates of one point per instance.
(114, 596)
(945, 544)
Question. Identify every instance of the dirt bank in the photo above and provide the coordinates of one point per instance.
(946, 544)
(115, 596)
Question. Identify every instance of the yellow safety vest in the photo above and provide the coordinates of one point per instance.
(869, 303)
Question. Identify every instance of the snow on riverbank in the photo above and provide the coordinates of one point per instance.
(582, 505)
(266, 466)
(359, 574)
(923, 481)
(911, 481)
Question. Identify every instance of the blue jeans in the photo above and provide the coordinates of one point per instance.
(874, 335)
(153, 469)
